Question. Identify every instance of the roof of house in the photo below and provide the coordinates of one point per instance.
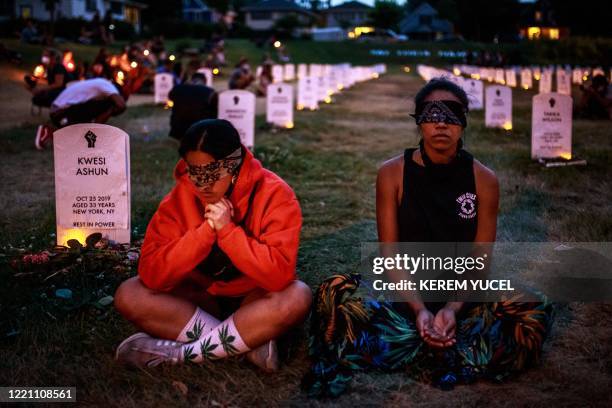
(349, 5)
(276, 5)
(412, 22)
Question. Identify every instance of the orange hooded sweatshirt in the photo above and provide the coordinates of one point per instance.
(264, 247)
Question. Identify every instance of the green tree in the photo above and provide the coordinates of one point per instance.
(386, 14)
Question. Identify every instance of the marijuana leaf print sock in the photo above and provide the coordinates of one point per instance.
(222, 341)
(200, 323)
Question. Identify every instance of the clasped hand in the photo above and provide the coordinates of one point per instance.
(219, 214)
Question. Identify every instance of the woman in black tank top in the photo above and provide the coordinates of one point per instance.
(434, 193)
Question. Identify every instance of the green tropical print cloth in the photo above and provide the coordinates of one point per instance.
(349, 334)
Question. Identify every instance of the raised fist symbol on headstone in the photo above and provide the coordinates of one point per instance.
(91, 139)
(497, 92)
(552, 102)
(280, 90)
(236, 100)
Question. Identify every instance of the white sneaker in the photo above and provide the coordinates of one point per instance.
(43, 136)
(141, 350)
(265, 356)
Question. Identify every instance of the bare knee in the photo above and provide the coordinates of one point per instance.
(293, 302)
(129, 297)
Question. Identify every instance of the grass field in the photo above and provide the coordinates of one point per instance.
(330, 159)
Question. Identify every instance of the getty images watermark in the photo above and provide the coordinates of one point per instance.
(477, 272)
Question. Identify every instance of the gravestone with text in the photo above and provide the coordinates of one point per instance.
(308, 93)
(551, 126)
(92, 182)
(238, 107)
(474, 90)
(163, 84)
(545, 85)
(279, 105)
(498, 107)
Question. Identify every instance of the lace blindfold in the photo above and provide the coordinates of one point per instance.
(208, 174)
(449, 112)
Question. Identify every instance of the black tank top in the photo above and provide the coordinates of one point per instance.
(439, 202)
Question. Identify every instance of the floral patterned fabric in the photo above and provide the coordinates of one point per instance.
(348, 334)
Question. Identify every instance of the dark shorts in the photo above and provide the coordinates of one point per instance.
(45, 99)
(82, 113)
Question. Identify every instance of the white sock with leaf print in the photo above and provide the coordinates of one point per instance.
(223, 341)
(200, 323)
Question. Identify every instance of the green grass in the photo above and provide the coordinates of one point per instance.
(330, 158)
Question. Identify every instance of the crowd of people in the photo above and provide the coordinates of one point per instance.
(93, 91)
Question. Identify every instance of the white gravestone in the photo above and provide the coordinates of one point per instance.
(545, 85)
(551, 126)
(308, 93)
(511, 77)
(498, 107)
(322, 88)
(564, 85)
(238, 107)
(163, 85)
(526, 78)
(92, 182)
(207, 72)
(289, 72)
(500, 76)
(277, 73)
(474, 90)
(577, 76)
(302, 71)
(279, 105)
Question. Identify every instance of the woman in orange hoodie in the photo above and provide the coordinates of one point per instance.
(222, 245)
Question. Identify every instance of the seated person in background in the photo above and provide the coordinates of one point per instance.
(596, 100)
(92, 100)
(265, 79)
(216, 276)
(191, 102)
(241, 76)
(44, 95)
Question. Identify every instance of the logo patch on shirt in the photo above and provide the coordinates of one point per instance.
(467, 205)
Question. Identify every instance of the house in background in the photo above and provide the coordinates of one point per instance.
(538, 22)
(196, 11)
(121, 10)
(263, 14)
(424, 24)
(347, 15)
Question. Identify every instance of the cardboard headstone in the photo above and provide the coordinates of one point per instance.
(551, 126)
(498, 107)
(207, 72)
(308, 93)
(279, 105)
(238, 107)
(545, 85)
(500, 76)
(277, 73)
(564, 85)
(511, 77)
(526, 78)
(302, 71)
(289, 73)
(577, 76)
(163, 85)
(474, 90)
(92, 182)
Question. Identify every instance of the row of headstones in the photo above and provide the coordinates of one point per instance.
(551, 119)
(317, 83)
(565, 76)
(92, 166)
